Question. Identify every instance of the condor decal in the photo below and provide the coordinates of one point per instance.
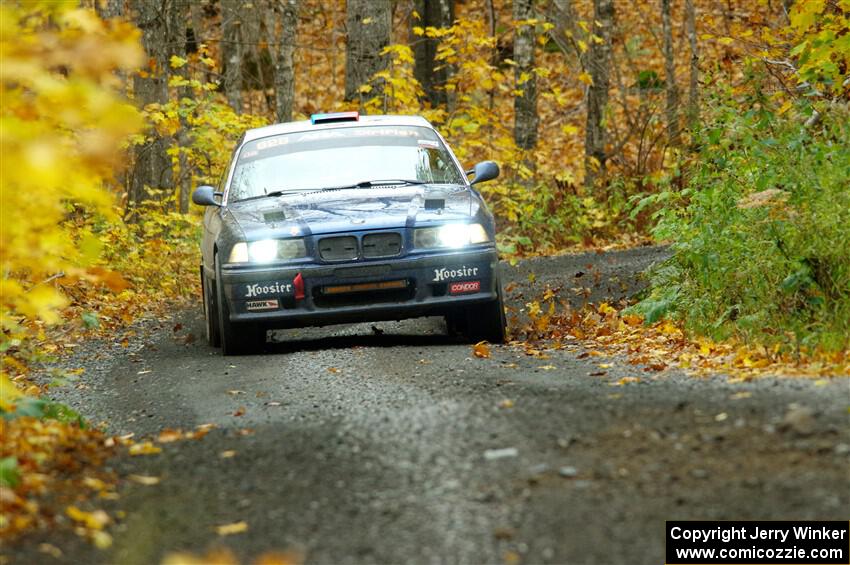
(465, 287)
(255, 305)
(446, 274)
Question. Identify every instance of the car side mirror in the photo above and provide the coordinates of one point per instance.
(483, 171)
(205, 195)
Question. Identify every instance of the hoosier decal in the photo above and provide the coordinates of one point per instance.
(446, 274)
(262, 289)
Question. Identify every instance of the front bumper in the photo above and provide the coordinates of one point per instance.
(399, 288)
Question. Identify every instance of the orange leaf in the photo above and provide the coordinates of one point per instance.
(481, 350)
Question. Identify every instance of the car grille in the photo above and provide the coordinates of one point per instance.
(381, 245)
(338, 248)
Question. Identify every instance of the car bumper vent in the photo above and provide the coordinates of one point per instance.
(338, 248)
(381, 245)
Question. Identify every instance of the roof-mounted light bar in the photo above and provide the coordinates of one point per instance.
(335, 117)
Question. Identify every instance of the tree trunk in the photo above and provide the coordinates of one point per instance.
(693, 90)
(231, 52)
(108, 9)
(152, 165)
(368, 26)
(525, 104)
(431, 74)
(598, 63)
(563, 17)
(178, 19)
(670, 72)
(284, 68)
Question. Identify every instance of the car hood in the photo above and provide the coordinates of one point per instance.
(347, 210)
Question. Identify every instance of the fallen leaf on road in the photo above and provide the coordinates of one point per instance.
(230, 529)
(276, 558)
(273, 403)
(144, 480)
(219, 556)
(50, 550)
(245, 432)
(481, 350)
(144, 448)
(93, 520)
(235, 392)
(334, 370)
(740, 395)
(547, 367)
(169, 435)
(598, 374)
(101, 540)
(200, 431)
(93, 483)
(506, 403)
(626, 381)
(239, 411)
(227, 454)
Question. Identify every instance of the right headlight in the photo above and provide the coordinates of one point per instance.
(267, 250)
(450, 235)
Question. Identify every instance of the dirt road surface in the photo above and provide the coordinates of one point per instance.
(393, 444)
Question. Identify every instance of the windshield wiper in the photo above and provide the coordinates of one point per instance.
(269, 194)
(384, 182)
(361, 184)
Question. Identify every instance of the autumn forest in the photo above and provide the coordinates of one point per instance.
(718, 129)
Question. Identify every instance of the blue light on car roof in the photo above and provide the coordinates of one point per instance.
(335, 117)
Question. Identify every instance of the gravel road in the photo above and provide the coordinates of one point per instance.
(395, 445)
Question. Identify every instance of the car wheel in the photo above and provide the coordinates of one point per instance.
(481, 322)
(236, 338)
(210, 310)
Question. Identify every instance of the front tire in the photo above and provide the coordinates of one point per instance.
(236, 338)
(481, 322)
(211, 323)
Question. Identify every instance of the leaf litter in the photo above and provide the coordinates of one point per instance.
(605, 330)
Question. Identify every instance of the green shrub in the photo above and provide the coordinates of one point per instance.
(761, 233)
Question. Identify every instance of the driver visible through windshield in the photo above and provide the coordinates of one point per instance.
(314, 160)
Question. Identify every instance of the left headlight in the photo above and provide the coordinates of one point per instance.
(450, 235)
(267, 250)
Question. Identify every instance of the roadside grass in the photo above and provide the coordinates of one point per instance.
(761, 233)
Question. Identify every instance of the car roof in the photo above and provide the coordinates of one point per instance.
(307, 125)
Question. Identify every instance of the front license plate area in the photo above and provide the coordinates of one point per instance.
(363, 287)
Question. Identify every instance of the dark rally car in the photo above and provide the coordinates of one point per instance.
(347, 218)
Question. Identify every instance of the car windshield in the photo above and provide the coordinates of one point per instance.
(339, 157)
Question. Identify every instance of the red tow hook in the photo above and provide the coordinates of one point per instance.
(298, 283)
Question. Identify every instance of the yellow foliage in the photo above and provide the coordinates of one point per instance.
(62, 123)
